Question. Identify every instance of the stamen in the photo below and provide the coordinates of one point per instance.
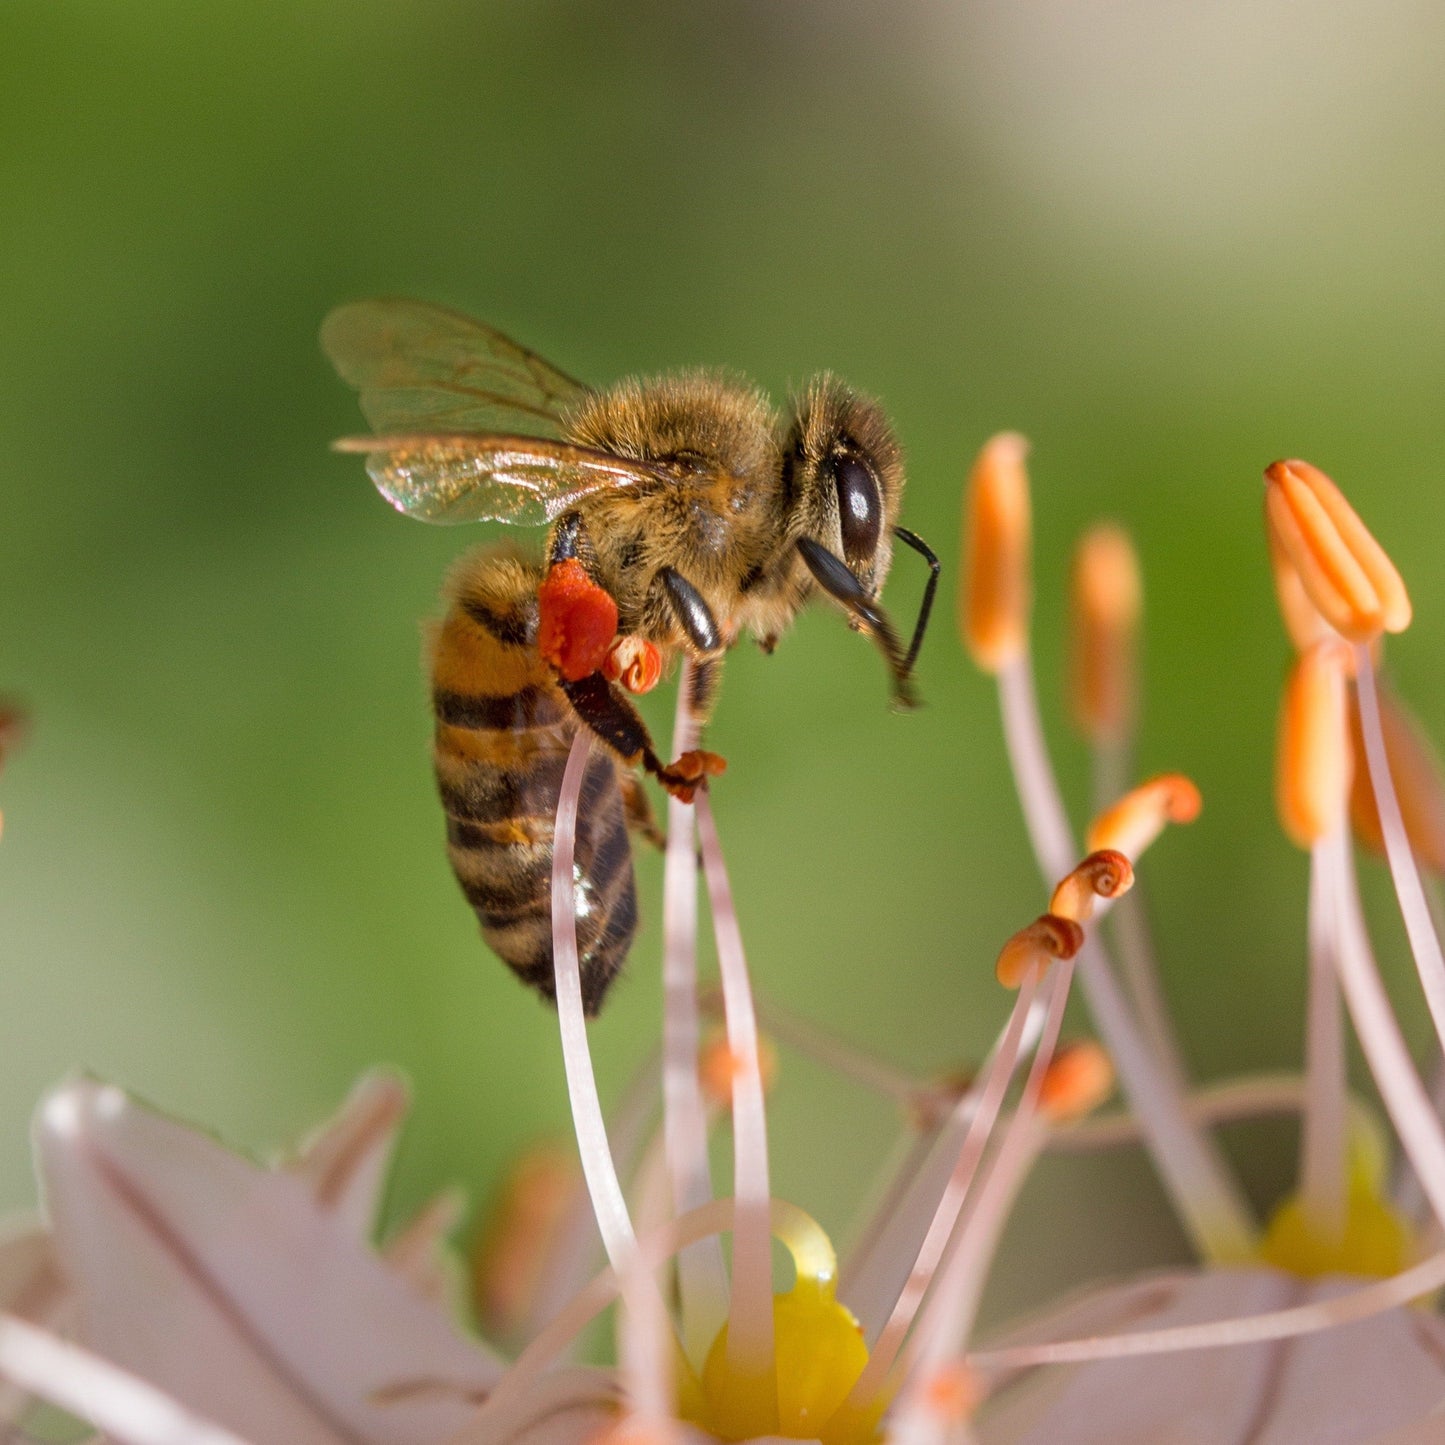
(1105, 874)
(121, 1405)
(1323, 1169)
(1139, 817)
(1313, 757)
(996, 1080)
(1419, 784)
(1414, 910)
(1343, 569)
(650, 1388)
(701, 1276)
(750, 1306)
(1035, 947)
(1404, 1096)
(1107, 600)
(997, 595)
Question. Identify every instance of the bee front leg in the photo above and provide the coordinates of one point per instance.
(608, 713)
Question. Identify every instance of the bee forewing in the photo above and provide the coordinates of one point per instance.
(419, 366)
(525, 481)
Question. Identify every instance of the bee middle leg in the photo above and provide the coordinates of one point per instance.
(637, 811)
(604, 709)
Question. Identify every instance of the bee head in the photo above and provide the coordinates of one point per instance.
(843, 469)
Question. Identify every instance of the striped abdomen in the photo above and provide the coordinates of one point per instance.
(504, 729)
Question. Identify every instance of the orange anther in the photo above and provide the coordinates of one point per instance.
(993, 613)
(1139, 817)
(1108, 598)
(719, 1068)
(1419, 784)
(1302, 620)
(1048, 937)
(1105, 874)
(1344, 571)
(1313, 754)
(953, 1392)
(1080, 1076)
(576, 621)
(633, 663)
(517, 1236)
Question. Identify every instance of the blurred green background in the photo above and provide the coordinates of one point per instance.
(1168, 242)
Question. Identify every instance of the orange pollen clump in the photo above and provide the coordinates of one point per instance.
(576, 621)
(1105, 874)
(953, 1392)
(1047, 938)
(993, 613)
(633, 663)
(1108, 598)
(1138, 818)
(1343, 570)
(1080, 1076)
(1313, 758)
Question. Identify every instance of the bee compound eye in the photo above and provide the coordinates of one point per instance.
(860, 507)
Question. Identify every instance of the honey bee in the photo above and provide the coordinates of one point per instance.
(684, 512)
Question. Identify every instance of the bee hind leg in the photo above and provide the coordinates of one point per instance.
(604, 710)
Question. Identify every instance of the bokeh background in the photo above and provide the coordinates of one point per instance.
(1169, 242)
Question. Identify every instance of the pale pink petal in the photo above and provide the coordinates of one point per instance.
(345, 1162)
(420, 1252)
(228, 1286)
(1347, 1386)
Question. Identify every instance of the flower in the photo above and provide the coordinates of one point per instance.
(180, 1293)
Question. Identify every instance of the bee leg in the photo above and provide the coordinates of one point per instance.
(608, 713)
(706, 674)
(835, 577)
(690, 610)
(637, 810)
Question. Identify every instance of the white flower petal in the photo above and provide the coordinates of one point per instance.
(230, 1287)
(1345, 1386)
(346, 1161)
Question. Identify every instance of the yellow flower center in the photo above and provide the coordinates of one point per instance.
(1376, 1239)
(818, 1354)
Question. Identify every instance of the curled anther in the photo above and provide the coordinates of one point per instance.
(994, 602)
(1046, 939)
(1079, 1077)
(1106, 600)
(1106, 873)
(1138, 818)
(1314, 759)
(1343, 570)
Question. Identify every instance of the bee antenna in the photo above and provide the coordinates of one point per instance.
(912, 539)
(837, 579)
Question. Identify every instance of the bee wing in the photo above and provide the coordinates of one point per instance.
(441, 477)
(422, 368)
